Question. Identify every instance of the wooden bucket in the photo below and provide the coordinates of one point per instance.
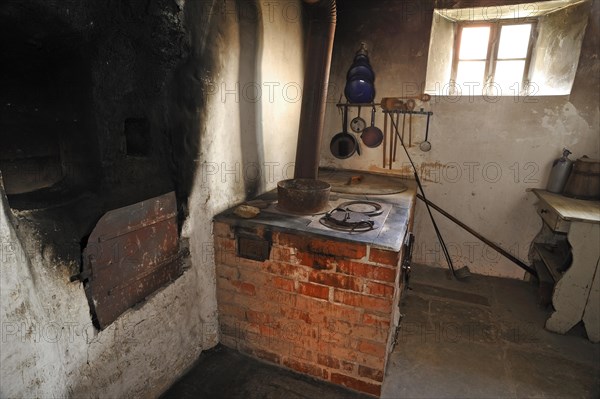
(584, 181)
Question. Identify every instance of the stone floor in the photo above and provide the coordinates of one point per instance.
(484, 338)
(479, 338)
(223, 373)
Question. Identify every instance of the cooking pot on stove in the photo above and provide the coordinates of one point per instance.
(303, 196)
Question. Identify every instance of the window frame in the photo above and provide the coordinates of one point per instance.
(492, 51)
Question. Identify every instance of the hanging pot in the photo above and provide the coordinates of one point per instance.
(360, 78)
(363, 72)
(361, 59)
(362, 55)
(359, 91)
(343, 145)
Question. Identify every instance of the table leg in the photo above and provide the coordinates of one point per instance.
(572, 291)
(591, 315)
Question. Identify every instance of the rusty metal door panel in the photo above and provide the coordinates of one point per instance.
(131, 252)
(134, 253)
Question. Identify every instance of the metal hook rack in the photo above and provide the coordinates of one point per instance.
(406, 112)
(339, 105)
(385, 111)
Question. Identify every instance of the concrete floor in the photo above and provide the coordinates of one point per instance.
(484, 338)
(479, 338)
(223, 373)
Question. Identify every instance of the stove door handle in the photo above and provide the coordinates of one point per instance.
(407, 260)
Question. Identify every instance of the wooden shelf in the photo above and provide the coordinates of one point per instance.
(552, 260)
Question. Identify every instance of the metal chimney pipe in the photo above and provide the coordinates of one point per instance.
(322, 16)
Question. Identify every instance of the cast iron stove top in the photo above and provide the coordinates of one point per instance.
(387, 232)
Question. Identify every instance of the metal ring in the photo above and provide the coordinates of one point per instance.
(377, 211)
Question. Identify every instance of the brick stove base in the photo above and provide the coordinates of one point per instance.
(323, 307)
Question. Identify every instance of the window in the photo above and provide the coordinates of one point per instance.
(529, 49)
(493, 58)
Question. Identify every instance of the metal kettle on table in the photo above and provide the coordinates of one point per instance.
(561, 170)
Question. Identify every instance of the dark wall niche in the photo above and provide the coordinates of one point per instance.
(49, 143)
(73, 74)
(137, 136)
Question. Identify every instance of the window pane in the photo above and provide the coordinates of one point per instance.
(508, 73)
(514, 40)
(470, 72)
(474, 43)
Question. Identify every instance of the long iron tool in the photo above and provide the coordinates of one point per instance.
(492, 244)
(464, 271)
(392, 137)
(385, 135)
(426, 145)
(396, 138)
(410, 129)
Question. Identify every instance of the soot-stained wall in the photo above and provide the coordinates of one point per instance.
(200, 97)
(485, 154)
(45, 101)
(75, 74)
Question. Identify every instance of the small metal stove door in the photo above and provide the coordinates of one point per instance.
(131, 252)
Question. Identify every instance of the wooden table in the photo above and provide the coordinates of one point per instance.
(576, 294)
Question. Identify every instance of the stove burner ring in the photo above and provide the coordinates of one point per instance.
(368, 208)
(360, 227)
(349, 221)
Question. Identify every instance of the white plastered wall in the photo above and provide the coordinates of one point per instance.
(485, 152)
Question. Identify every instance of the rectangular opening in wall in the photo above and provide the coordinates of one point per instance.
(137, 137)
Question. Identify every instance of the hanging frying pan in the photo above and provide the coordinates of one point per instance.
(372, 136)
(343, 145)
(358, 124)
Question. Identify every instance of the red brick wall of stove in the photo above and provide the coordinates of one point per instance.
(319, 307)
